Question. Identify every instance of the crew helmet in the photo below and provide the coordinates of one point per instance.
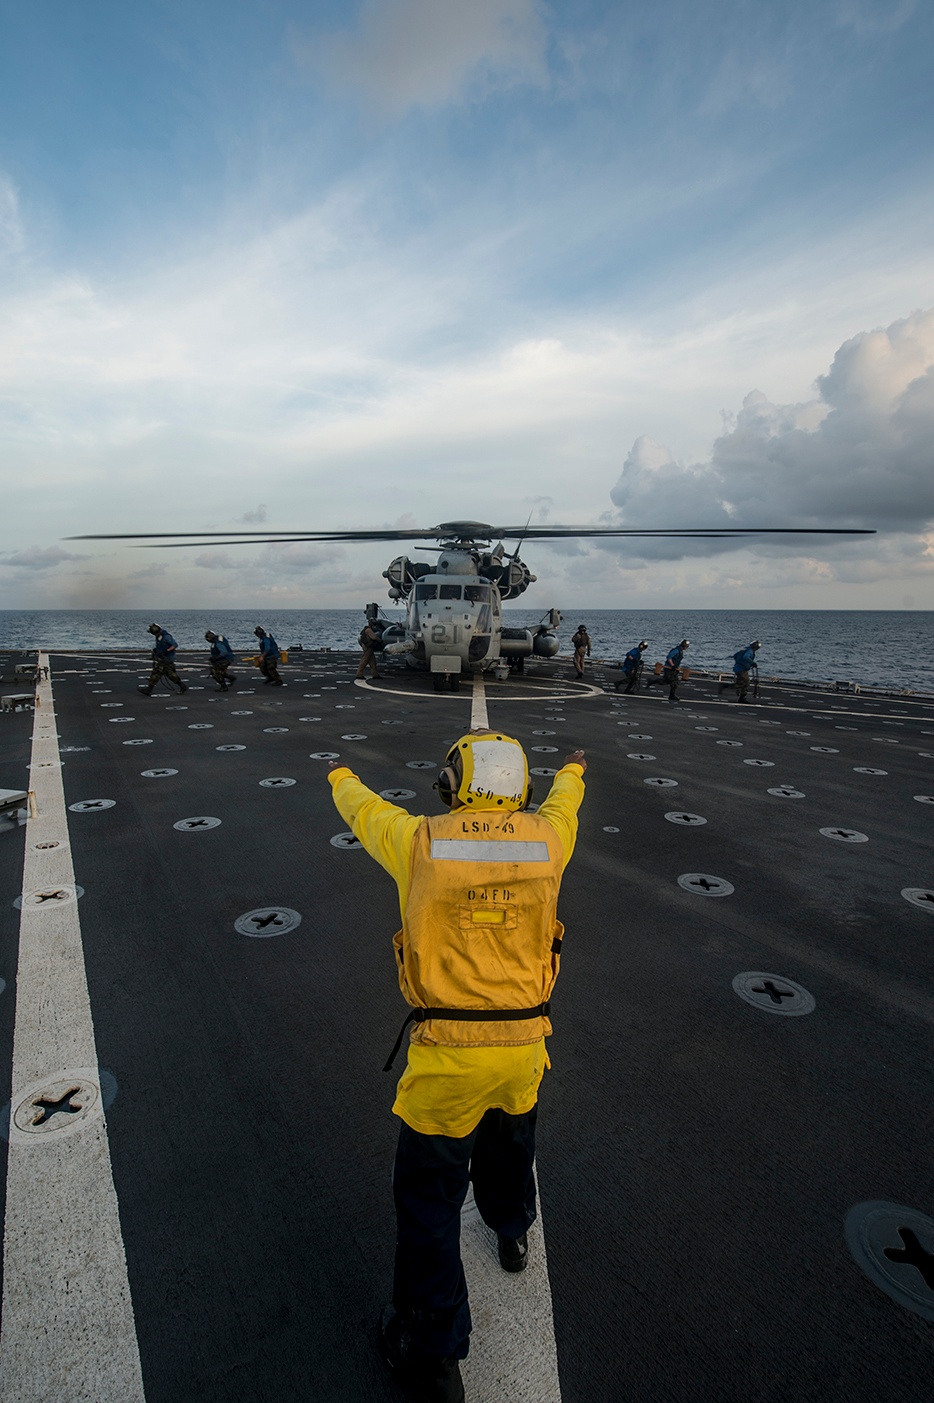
(210, 635)
(486, 770)
(755, 644)
(644, 643)
(154, 628)
(685, 643)
(260, 632)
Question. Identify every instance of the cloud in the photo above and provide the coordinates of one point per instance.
(858, 456)
(37, 558)
(12, 237)
(421, 53)
(870, 18)
(256, 515)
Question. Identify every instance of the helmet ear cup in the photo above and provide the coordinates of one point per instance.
(528, 793)
(447, 786)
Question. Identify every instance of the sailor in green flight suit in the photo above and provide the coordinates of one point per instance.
(477, 958)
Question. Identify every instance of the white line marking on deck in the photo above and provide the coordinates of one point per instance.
(478, 714)
(68, 1329)
(512, 1350)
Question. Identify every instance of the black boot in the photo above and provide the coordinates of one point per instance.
(513, 1252)
(146, 691)
(423, 1376)
(182, 688)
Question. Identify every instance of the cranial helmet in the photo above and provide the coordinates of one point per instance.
(486, 771)
(644, 643)
(260, 632)
(755, 644)
(154, 628)
(685, 643)
(210, 636)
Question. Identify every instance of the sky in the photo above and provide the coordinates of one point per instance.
(383, 263)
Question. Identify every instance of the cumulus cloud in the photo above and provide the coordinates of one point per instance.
(860, 455)
(39, 558)
(420, 53)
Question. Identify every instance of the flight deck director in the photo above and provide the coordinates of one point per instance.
(477, 959)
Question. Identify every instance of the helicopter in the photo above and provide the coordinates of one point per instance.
(454, 607)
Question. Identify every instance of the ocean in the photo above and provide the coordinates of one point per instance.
(871, 647)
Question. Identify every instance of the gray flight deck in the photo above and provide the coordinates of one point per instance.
(698, 1156)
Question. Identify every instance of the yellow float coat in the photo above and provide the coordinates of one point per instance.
(445, 1090)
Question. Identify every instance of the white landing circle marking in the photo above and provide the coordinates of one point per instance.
(639, 755)
(241, 713)
(116, 720)
(201, 726)
(886, 740)
(275, 730)
(638, 735)
(926, 754)
(786, 791)
(689, 820)
(137, 742)
(420, 765)
(267, 921)
(716, 728)
(230, 747)
(394, 795)
(920, 896)
(157, 774)
(279, 782)
(317, 718)
(346, 841)
(731, 742)
(923, 798)
(176, 708)
(609, 828)
(825, 750)
(844, 835)
(544, 749)
(353, 735)
(703, 884)
(798, 733)
(868, 770)
(765, 764)
(88, 806)
(662, 783)
(111, 703)
(324, 755)
(543, 733)
(196, 825)
(542, 770)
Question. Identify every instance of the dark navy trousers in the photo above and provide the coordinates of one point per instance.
(430, 1181)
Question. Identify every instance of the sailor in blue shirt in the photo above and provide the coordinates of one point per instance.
(222, 656)
(269, 658)
(163, 660)
(744, 662)
(671, 670)
(632, 667)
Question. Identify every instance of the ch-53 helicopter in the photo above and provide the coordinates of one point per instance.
(454, 616)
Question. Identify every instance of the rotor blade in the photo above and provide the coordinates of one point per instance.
(543, 533)
(251, 537)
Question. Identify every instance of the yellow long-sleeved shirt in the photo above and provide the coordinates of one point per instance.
(446, 1090)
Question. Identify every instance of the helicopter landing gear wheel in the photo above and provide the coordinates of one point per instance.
(454, 681)
(440, 681)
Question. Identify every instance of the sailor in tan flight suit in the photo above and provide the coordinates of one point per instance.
(477, 957)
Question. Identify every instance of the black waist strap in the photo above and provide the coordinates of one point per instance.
(467, 1015)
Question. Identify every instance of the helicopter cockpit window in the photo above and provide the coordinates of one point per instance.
(426, 591)
(449, 591)
(477, 594)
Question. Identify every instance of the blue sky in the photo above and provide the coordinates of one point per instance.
(408, 260)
